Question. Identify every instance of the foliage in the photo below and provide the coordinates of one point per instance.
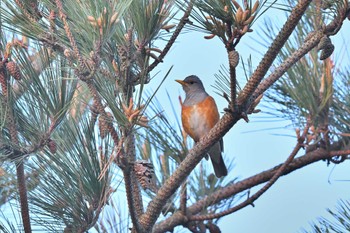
(338, 221)
(79, 133)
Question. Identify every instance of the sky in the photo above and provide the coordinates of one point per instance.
(295, 200)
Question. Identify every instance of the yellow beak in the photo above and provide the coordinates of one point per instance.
(181, 82)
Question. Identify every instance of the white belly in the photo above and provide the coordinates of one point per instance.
(198, 126)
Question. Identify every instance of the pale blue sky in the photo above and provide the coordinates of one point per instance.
(295, 200)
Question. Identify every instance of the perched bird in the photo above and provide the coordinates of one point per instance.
(199, 114)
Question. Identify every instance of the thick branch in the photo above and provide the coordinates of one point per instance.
(132, 188)
(130, 198)
(226, 192)
(273, 50)
(289, 62)
(192, 159)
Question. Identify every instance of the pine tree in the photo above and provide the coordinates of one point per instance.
(78, 129)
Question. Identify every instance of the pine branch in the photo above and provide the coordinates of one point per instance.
(174, 36)
(133, 210)
(228, 191)
(69, 33)
(22, 190)
(100, 109)
(314, 39)
(133, 192)
(311, 41)
(39, 64)
(183, 198)
(340, 152)
(25, 11)
(273, 51)
(21, 181)
(251, 199)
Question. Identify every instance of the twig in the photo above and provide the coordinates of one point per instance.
(340, 152)
(173, 37)
(254, 197)
(183, 198)
(272, 52)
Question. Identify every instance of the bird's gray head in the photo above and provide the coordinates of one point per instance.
(194, 90)
(191, 84)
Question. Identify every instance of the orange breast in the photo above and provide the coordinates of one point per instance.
(197, 120)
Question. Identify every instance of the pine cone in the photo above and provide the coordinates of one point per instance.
(324, 43)
(13, 70)
(103, 124)
(326, 52)
(52, 146)
(145, 174)
(234, 58)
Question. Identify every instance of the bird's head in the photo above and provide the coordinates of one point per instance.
(191, 84)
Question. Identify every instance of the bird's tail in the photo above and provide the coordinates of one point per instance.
(217, 161)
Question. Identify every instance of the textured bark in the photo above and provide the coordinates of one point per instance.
(273, 50)
(288, 63)
(22, 189)
(226, 192)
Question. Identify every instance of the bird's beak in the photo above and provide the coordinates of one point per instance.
(181, 82)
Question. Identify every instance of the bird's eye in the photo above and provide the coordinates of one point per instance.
(191, 82)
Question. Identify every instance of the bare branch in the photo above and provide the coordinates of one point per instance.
(131, 202)
(183, 198)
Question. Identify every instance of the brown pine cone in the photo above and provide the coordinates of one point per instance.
(13, 70)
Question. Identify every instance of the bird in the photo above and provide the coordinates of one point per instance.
(199, 114)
